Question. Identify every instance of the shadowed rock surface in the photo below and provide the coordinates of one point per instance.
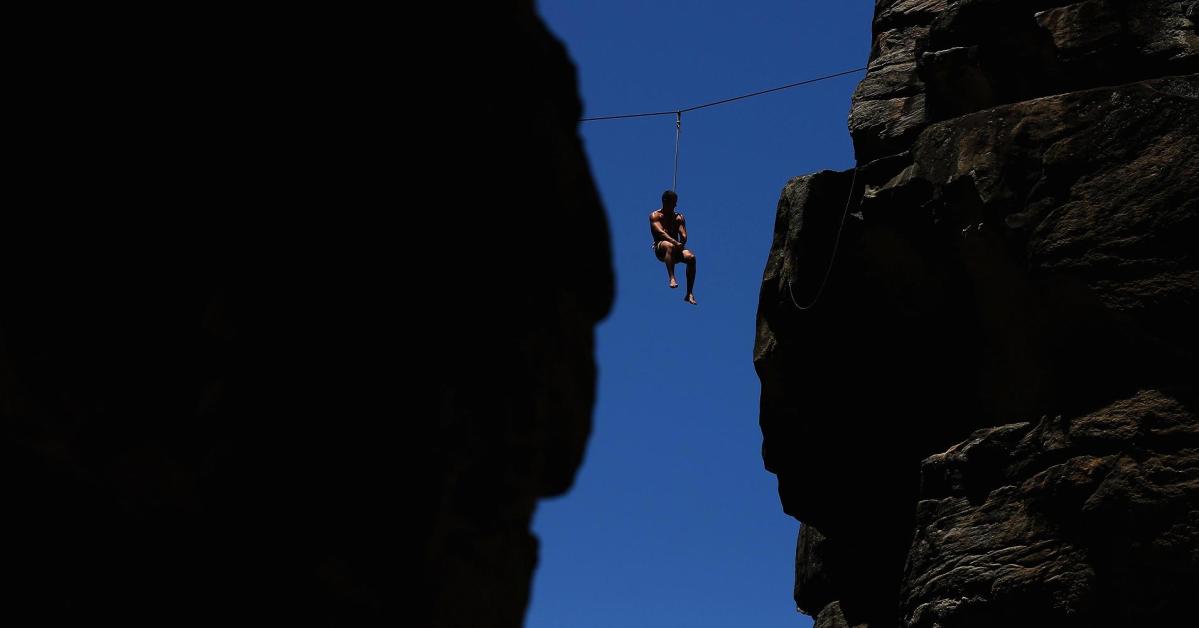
(277, 348)
(936, 59)
(1014, 287)
(1081, 521)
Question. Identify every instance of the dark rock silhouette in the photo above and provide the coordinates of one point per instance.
(989, 417)
(268, 249)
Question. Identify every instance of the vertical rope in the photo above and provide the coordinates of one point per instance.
(678, 129)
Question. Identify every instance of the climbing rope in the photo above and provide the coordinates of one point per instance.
(836, 243)
(677, 112)
(678, 128)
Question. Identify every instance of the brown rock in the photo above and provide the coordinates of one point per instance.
(975, 54)
(1090, 521)
(1019, 244)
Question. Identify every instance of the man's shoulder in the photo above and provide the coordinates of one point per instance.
(656, 214)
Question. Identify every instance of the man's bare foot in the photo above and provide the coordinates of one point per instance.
(690, 298)
(673, 283)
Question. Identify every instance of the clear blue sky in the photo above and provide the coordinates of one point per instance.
(672, 521)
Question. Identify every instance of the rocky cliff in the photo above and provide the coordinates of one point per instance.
(278, 342)
(990, 417)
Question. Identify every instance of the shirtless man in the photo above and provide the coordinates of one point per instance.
(669, 230)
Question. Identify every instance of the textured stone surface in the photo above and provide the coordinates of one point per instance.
(1088, 202)
(813, 560)
(1024, 247)
(933, 61)
(832, 617)
(858, 332)
(1090, 521)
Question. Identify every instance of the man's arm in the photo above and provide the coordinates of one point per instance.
(655, 225)
(682, 229)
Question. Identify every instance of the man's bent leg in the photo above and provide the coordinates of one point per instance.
(689, 259)
(669, 259)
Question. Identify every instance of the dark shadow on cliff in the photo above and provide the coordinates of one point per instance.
(272, 346)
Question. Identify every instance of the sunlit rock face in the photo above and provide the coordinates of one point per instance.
(284, 348)
(989, 415)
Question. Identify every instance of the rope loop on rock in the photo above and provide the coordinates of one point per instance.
(836, 243)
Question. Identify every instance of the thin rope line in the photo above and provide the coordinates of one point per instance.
(678, 129)
(773, 89)
(631, 115)
(721, 102)
(828, 271)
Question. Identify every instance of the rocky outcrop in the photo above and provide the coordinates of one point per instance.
(1084, 521)
(1017, 251)
(937, 59)
(277, 349)
(516, 377)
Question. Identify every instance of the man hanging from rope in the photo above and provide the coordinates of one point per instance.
(669, 230)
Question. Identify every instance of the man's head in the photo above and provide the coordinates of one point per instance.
(669, 199)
